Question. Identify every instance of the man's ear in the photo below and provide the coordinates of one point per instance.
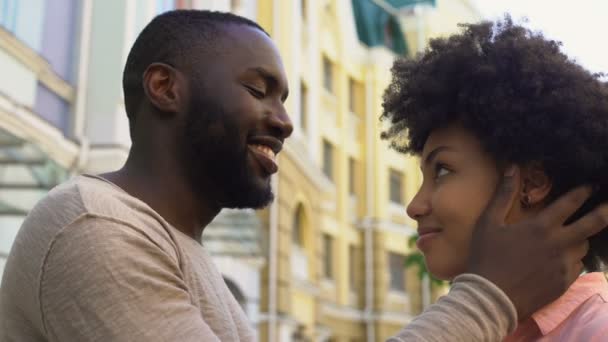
(164, 87)
(536, 185)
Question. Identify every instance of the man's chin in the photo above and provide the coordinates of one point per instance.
(252, 199)
(253, 203)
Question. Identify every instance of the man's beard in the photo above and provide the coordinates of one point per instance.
(216, 160)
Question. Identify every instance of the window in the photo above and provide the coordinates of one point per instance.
(235, 5)
(26, 20)
(389, 35)
(182, 4)
(164, 6)
(8, 14)
(396, 264)
(328, 75)
(299, 257)
(303, 106)
(352, 96)
(303, 9)
(328, 258)
(328, 159)
(297, 228)
(352, 181)
(352, 266)
(396, 187)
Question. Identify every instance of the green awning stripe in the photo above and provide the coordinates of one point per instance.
(372, 21)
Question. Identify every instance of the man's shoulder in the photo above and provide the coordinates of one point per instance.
(94, 196)
(86, 198)
(78, 196)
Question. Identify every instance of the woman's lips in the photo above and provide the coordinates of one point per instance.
(426, 237)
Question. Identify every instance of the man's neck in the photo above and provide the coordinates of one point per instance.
(165, 190)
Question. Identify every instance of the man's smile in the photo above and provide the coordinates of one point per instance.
(265, 157)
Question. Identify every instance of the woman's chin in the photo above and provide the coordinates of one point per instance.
(443, 272)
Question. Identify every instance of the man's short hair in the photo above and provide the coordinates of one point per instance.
(171, 38)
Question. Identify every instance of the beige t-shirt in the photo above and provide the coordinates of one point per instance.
(92, 263)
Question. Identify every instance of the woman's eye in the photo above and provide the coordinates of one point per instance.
(441, 171)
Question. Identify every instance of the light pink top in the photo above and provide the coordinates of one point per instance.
(581, 314)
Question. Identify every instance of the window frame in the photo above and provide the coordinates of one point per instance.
(398, 176)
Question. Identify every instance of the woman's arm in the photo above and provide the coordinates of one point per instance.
(474, 310)
(511, 262)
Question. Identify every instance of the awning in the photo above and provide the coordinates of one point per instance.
(376, 26)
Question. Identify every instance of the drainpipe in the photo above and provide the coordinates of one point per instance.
(82, 85)
(273, 264)
(274, 216)
(369, 224)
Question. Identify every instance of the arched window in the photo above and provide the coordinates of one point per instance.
(299, 253)
(298, 226)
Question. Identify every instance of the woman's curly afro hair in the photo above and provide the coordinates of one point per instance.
(524, 99)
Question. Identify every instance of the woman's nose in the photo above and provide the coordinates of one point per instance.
(418, 207)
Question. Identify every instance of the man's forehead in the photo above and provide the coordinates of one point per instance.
(251, 48)
(239, 47)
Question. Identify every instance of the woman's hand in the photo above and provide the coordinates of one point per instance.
(533, 261)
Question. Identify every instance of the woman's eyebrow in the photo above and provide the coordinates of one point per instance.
(431, 156)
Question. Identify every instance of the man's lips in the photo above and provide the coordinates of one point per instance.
(265, 149)
(274, 144)
(265, 157)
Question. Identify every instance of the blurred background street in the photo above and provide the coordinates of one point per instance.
(332, 258)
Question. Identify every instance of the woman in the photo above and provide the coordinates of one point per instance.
(473, 104)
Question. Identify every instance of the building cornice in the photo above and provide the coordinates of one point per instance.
(342, 312)
(22, 122)
(385, 225)
(37, 64)
(295, 150)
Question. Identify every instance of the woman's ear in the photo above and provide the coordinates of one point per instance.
(536, 186)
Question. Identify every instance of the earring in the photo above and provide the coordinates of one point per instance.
(525, 201)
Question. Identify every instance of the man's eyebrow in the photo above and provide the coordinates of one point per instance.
(270, 78)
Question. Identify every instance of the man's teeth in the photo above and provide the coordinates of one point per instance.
(266, 150)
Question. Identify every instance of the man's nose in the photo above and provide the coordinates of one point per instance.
(281, 123)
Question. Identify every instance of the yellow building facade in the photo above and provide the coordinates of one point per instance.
(337, 235)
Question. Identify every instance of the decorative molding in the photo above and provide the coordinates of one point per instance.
(110, 147)
(296, 152)
(385, 225)
(328, 284)
(393, 317)
(286, 319)
(33, 61)
(396, 209)
(306, 287)
(352, 314)
(22, 122)
(342, 312)
(328, 206)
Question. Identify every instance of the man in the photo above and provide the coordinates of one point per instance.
(115, 257)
